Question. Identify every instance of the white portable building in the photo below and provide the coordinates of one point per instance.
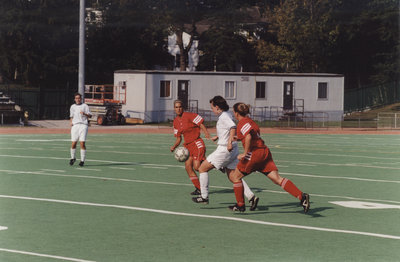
(150, 94)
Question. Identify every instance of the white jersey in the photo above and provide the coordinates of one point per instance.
(77, 117)
(224, 125)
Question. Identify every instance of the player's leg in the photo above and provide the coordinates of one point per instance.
(74, 141)
(203, 177)
(230, 167)
(236, 178)
(72, 152)
(192, 175)
(251, 197)
(197, 150)
(82, 139)
(291, 188)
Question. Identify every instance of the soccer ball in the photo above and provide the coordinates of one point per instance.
(181, 154)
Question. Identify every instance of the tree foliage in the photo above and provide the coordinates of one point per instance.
(360, 39)
(38, 41)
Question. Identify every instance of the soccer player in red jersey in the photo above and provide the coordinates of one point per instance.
(188, 125)
(257, 157)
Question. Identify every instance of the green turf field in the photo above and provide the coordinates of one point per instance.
(131, 202)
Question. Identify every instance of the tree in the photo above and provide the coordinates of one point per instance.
(126, 39)
(38, 41)
(369, 42)
(220, 16)
(305, 34)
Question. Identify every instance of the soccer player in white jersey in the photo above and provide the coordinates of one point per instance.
(224, 157)
(79, 114)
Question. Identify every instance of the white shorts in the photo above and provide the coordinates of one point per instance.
(79, 132)
(221, 157)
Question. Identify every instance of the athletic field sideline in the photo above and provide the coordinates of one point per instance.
(131, 202)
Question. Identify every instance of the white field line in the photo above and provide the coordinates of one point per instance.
(343, 164)
(336, 155)
(94, 160)
(155, 167)
(94, 177)
(130, 153)
(299, 164)
(94, 151)
(88, 169)
(282, 173)
(176, 184)
(206, 216)
(342, 177)
(336, 197)
(43, 140)
(53, 170)
(123, 168)
(43, 255)
(3, 228)
(181, 166)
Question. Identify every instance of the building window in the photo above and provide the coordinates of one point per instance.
(165, 88)
(230, 91)
(260, 89)
(322, 90)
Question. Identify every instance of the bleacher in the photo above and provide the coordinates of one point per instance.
(10, 113)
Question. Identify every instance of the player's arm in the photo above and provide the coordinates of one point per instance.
(205, 131)
(214, 138)
(87, 112)
(247, 140)
(89, 115)
(71, 115)
(232, 133)
(177, 143)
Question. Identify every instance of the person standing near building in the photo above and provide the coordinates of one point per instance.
(257, 157)
(79, 114)
(224, 157)
(188, 125)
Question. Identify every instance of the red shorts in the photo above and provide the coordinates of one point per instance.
(197, 149)
(260, 159)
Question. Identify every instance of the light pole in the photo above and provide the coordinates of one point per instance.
(81, 75)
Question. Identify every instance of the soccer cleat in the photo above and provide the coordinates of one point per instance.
(253, 203)
(200, 200)
(305, 202)
(237, 208)
(72, 161)
(196, 192)
(81, 163)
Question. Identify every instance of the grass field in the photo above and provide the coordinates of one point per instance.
(131, 202)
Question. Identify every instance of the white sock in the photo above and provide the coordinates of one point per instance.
(73, 153)
(247, 191)
(203, 177)
(83, 155)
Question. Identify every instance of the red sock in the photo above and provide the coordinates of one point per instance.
(195, 181)
(239, 193)
(291, 188)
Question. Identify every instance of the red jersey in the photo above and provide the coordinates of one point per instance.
(188, 125)
(248, 126)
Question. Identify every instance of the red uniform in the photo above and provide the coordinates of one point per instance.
(188, 125)
(259, 157)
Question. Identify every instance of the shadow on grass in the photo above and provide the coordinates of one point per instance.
(268, 209)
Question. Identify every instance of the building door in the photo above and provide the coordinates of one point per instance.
(183, 92)
(288, 95)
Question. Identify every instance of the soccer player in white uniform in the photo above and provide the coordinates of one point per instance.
(224, 157)
(79, 114)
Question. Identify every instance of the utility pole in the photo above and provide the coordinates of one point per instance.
(81, 76)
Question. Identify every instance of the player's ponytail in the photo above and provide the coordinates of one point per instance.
(241, 108)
